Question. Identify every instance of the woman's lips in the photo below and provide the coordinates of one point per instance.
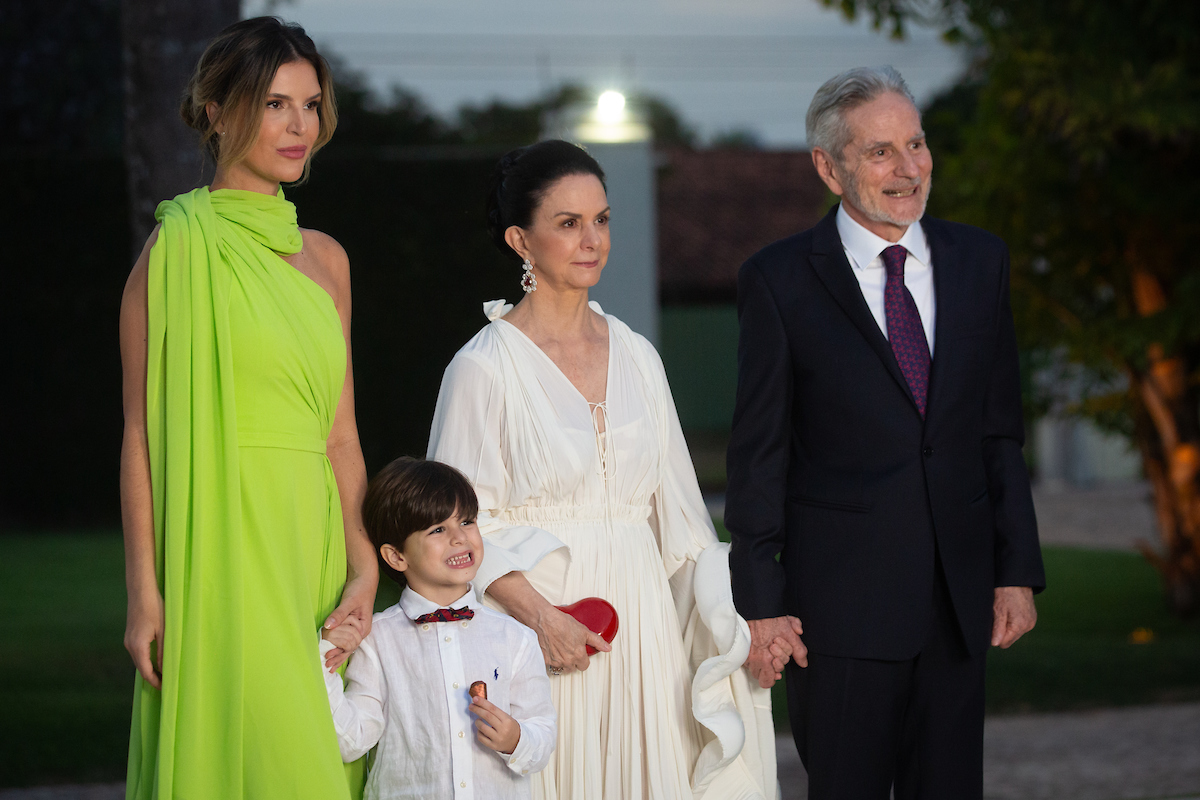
(587, 264)
(292, 152)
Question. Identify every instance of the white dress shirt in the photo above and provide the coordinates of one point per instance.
(406, 690)
(863, 250)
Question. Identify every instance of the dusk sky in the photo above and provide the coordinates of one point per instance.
(749, 65)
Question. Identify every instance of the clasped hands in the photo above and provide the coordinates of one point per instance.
(773, 643)
(350, 622)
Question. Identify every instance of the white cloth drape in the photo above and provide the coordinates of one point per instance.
(669, 713)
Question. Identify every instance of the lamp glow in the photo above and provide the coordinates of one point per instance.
(610, 108)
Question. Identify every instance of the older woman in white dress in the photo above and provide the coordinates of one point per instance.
(562, 418)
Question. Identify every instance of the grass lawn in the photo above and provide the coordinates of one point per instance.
(67, 685)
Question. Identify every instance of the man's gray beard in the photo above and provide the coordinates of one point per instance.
(850, 188)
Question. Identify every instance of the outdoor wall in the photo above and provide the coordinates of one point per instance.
(699, 351)
(629, 288)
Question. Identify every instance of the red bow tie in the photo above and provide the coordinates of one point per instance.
(446, 615)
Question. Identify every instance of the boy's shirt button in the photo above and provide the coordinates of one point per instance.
(425, 627)
(454, 685)
(460, 734)
(449, 639)
(464, 623)
(463, 784)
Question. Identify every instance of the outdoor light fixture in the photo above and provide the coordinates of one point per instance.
(610, 108)
(610, 120)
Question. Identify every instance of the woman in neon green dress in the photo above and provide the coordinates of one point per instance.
(241, 471)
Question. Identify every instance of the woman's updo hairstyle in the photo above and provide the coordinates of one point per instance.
(522, 179)
(236, 72)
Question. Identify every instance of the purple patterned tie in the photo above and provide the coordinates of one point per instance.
(905, 331)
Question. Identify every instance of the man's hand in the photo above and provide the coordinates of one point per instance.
(773, 642)
(1013, 614)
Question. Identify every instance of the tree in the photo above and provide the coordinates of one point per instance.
(161, 42)
(1076, 137)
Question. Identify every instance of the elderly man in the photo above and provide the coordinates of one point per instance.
(876, 452)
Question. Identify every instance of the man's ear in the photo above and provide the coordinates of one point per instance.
(393, 558)
(825, 168)
(515, 236)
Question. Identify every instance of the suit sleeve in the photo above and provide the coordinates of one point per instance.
(757, 461)
(1018, 556)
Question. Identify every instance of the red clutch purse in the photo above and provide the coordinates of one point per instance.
(597, 615)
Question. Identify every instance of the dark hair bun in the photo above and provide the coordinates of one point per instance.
(521, 180)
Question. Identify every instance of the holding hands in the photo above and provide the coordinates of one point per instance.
(346, 638)
(774, 642)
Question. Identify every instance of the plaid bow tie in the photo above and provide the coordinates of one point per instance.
(446, 615)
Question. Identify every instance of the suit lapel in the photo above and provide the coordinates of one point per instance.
(828, 260)
(947, 292)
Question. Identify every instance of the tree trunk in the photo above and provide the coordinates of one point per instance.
(161, 42)
(1169, 438)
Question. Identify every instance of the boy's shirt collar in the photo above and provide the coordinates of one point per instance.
(414, 605)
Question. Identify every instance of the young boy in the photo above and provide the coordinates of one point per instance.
(409, 685)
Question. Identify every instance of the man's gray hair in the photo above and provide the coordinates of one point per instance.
(825, 124)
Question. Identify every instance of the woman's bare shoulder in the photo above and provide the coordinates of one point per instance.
(137, 275)
(328, 258)
(326, 250)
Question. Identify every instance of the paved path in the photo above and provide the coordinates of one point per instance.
(1118, 754)
(1110, 516)
(1140, 753)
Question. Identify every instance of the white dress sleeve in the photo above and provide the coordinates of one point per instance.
(358, 708)
(739, 749)
(466, 434)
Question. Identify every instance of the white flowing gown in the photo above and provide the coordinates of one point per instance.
(602, 501)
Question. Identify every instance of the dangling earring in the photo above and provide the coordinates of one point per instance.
(528, 279)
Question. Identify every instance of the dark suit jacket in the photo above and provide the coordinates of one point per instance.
(832, 468)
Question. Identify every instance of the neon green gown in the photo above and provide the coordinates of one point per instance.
(245, 365)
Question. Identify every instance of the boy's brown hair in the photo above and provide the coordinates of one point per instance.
(410, 495)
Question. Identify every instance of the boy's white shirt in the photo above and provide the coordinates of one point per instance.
(406, 690)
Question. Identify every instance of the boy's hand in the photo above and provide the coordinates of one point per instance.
(346, 638)
(495, 729)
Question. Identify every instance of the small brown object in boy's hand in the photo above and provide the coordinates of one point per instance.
(478, 689)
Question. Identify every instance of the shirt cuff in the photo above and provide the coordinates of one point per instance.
(523, 756)
(333, 681)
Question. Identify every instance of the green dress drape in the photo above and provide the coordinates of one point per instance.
(245, 364)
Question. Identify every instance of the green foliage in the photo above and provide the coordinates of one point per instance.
(1076, 137)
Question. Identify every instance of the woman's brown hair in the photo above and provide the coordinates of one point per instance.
(236, 72)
